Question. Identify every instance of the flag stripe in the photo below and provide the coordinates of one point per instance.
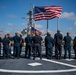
(46, 16)
(44, 13)
(35, 30)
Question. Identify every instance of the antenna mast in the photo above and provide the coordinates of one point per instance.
(30, 24)
(30, 13)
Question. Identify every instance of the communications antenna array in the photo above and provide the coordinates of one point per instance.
(31, 21)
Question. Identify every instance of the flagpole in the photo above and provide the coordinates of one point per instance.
(57, 23)
(47, 27)
(33, 6)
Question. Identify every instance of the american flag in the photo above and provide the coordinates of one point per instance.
(47, 12)
(35, 30)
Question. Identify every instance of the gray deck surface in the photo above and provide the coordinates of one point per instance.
(45, 66)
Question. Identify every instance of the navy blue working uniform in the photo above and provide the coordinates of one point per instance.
(74, 46)
(17, 40)
(49, 43)
(28, 41)
(67, 46)
(0, 44)
(37, 45)
(21, 44)
(10, 39)
(58, 44)
(5, 42)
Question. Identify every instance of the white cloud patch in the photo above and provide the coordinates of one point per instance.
(11, 16)
(75, 23)
(9, 24)
(44, 32)
(69, 28)
(39, 26)
(23, 24)
(68, 15)
(10, 28)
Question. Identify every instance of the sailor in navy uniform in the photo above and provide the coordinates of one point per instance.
(28, 41)
(49, 43)
(37, 40)
(10, 39)
(74, 46)
(0, 44)
(5, 42)
(67, 45)
(17, 41)
(21, 44)
(58, 37)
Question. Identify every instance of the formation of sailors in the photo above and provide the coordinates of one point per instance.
(33, 44)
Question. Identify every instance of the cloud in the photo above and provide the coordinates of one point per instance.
(69, 28)
(44, 32)
(9, 24)
(3, 32)
(11, 16)
(68, 15)
(10, 28)
(12, 31)
(39, 26)
(75, 23)
(23, 24)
